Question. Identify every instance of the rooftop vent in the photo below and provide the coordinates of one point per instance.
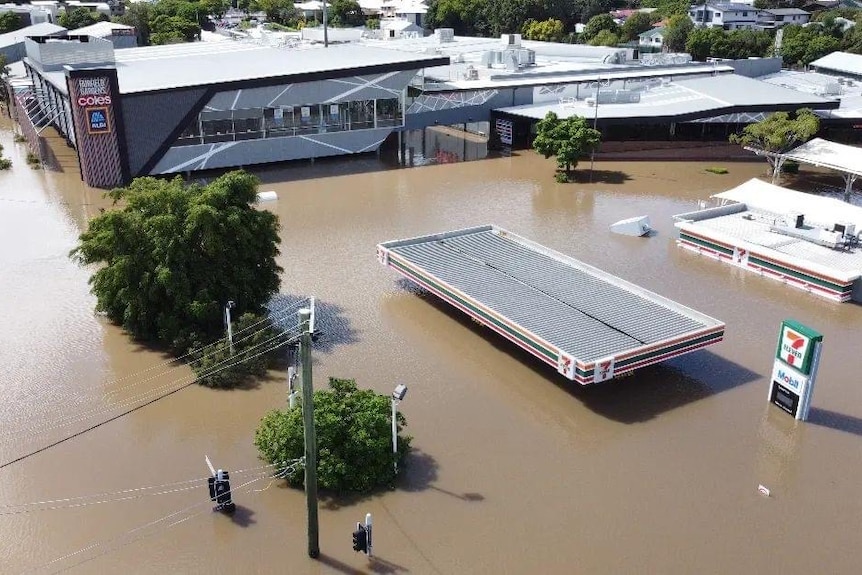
(444, 35)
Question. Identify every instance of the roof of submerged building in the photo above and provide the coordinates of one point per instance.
(554, 306)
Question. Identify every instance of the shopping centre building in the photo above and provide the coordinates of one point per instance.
(214, 105)
(187, 107)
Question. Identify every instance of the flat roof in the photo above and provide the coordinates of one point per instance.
(17, 36)
(759, 195)
(840, 62)
(186, 65)
(552, 305)
(749, 223)
(691, 97)
(849, 92)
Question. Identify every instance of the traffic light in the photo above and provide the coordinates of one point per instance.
(220, 491)
(360, 538)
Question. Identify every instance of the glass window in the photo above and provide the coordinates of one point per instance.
(217, 126)
(388, 112)
(361, 114)
(191, 135)
(335, 116)
(309, 118)
(247, 123)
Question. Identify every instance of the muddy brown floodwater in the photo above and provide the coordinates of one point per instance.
(515, 470)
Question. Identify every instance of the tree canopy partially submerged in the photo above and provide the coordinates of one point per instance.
(777, 134)
(174, 254)
(354, 438)
(567, 139)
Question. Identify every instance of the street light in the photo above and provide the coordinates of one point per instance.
(598, 84)
(231, 304)
(397, 396)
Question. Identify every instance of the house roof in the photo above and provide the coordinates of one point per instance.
(787, 12)
(100, 29)
(732, 6)
(651, 33)
(840, 62)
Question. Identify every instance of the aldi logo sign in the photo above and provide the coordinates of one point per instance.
(796, 345)
(97, 120)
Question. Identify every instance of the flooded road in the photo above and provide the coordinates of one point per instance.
(514, 469)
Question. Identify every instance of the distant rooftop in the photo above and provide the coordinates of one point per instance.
(842, 62)
(786, 11)
(100, 29)
(17, 36)
(849, 92)
(683, 98)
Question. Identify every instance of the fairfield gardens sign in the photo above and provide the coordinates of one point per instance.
(95, 97)
(797, 358)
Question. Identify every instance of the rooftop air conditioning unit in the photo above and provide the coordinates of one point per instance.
(526, 57)
(511, 40)
(591, 102)
(445, 34)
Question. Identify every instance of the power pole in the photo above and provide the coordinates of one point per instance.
(325, 30)
(310, 435)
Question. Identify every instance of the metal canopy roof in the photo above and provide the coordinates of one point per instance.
(579, 309)
(832, 155)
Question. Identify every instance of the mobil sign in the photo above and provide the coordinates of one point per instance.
(796, 344)
(789, 377)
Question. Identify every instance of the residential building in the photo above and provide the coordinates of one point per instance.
(778, 17)
(726, 15)
(652, 38)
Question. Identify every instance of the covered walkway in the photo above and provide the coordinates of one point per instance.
(839, 157)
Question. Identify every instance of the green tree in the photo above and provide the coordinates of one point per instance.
(509, 16)
(676, 32)
(550, 30)
(174, 254)
(668, 8)
(215, 8)
(4, 76)
(215, 366)
(354, 438)
(801, 46)
(466, 17)
(777, 134)
(346, 13)
(598, 23)
(138, 15)
(604, 38)
(636, 24)
(700, 42)
(568, 140)
(5, 163)
(79, 17)
(284, 11)
(10, 21)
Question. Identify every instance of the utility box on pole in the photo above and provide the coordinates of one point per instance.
(794, 371)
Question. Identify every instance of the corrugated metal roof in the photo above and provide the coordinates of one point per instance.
(582, 313)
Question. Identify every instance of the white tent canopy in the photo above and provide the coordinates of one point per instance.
(839, 157)
(759, 195)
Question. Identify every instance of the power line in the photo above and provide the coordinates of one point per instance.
(137, 529)
(128, 411)
(122, 495)
(276, 317)
(81, 416)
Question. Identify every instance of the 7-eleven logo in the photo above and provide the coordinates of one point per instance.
(794, 347)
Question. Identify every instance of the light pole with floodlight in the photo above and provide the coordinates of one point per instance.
(397, 396)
